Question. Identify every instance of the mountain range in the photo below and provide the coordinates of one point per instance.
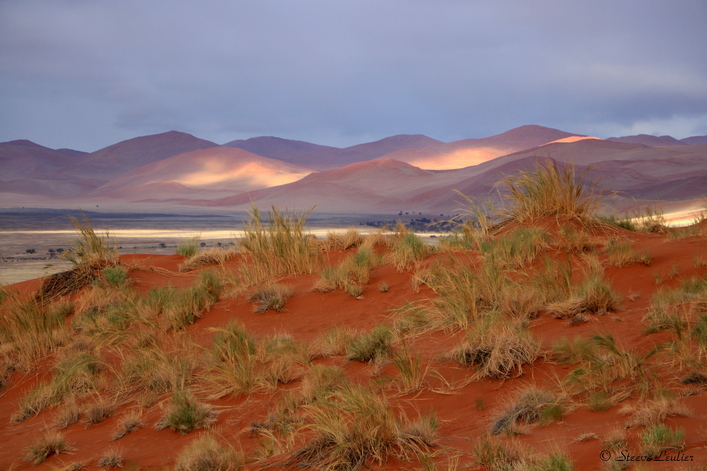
(176, 170)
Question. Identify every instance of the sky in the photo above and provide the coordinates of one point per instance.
(85, 74)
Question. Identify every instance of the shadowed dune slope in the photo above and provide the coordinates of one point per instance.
(325, 157)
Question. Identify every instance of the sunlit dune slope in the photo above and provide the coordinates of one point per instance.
(216, 168)
(469, 152)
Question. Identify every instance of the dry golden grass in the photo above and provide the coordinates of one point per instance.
(552, 190)
(213, 256)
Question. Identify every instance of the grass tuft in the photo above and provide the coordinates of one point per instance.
(48, 444)
(660, 438)
(185, 413)
(370, 346)
(208, 453)
(553, 190)
(271, 297)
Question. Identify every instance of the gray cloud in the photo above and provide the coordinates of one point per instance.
(86, 74)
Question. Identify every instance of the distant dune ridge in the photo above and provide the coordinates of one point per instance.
(404, 172)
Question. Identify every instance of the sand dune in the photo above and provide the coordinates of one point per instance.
(216, 168)
(325, 157)
(460, 154)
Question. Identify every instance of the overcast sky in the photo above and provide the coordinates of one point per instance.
(85, 74)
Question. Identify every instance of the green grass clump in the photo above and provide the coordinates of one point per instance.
(188, 248)
(232, 362)
(115, 276)
(185, 413)
(517, 249)
(660, 438)
(407, 248)
(369, 346)
(29, 332)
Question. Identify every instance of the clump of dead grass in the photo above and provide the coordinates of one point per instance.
(90, 253)
(271, 297)
(209, 453)
(355, 427)
(497, 350)
(528, 405)
(213, 256)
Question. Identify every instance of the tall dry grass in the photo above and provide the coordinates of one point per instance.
(552, 190)
(278, 245)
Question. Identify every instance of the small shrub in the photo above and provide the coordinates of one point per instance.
(231, 368)
(355, 427)
(497, 351)
(271, 297)
(528, 406)
(127, 424)
(189, 247)
(552, 190)
(98, 412)
(383, 287)
(48, 444)
(207, 453)
(112, 458)
(496, 455)
(599, 401)
(660, 438)
(186, 413)
(369, 346)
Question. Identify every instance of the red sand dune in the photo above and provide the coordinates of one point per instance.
(464, 408)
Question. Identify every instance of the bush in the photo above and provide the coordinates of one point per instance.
(354, 427)
(186, 413)
(48, 444)
(189, 247)
(271, 297)
(209, 454)
(660, 438)
(552, 190)
(369, 346)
